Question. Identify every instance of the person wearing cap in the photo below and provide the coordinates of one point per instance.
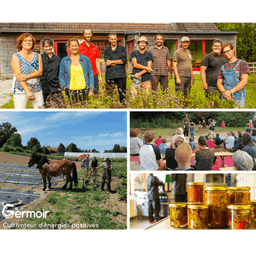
(210, 67)
(182, 66)
(115, 59)
(108, 167)
(162, 60)
(142, 64)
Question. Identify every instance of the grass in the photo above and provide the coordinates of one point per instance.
(169, 132)
(197, 98)
(84, 210)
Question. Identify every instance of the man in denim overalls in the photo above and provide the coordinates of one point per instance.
(233, 77)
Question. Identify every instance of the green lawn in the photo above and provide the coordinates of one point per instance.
(170, 132)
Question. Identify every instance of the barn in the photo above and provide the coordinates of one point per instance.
(200, 34)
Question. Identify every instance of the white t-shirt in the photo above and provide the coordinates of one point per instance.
(230, 142)
(148, 158)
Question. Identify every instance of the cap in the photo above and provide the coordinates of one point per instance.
(143, 38)
(184, 38)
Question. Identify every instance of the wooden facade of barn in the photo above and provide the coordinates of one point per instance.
(200, 34)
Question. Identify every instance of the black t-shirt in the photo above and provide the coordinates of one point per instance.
(50, 77)
(142, 59)
(213, 63)
(170, 160)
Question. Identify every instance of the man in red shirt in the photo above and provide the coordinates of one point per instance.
(91, 51)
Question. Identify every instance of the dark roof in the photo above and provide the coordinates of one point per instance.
(108, 27)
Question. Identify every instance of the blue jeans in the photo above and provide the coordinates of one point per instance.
(96, 84)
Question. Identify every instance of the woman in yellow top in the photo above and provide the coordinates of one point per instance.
(76, 75)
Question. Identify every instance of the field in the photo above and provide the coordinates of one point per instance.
(80, 208)
(157, 99)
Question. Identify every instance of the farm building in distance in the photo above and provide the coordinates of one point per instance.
(200, 34)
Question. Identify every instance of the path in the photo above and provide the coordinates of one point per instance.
(5, 91)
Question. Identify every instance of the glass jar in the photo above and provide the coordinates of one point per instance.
(238, 216)
(239, 195)
(195, 192)
(216, 198)
(197, 216)
(178, 215)
(253, 209)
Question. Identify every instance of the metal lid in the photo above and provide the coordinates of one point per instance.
(195, 203)
(239, 188)
(197, 206)
(216, 188)
(239, 206)
(195, 183)
(178, 205)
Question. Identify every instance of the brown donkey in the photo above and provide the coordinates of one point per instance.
(54, 168)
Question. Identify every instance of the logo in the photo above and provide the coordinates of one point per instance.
(8, 214)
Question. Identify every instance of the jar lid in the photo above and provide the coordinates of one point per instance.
(253, 202)
(239, 188)
(239, 206)
(178, 205)
(216, 188)
(197, 206)
(197, 203)
(195, 183)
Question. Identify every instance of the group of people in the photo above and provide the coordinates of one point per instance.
(93, 165)
(79, 74)
(178, 153)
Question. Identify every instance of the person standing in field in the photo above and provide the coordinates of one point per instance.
(210, 67)
(115, 59)
(142, 65)
(182, 66)
(94, 163)
(233, 77)
(162, 60)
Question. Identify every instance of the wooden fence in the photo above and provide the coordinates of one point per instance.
(252, 66)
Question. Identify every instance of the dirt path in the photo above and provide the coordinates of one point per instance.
(6, 90)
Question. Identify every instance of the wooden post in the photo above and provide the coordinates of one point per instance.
(203, 48)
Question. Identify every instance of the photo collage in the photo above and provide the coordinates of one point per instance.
(127, 126)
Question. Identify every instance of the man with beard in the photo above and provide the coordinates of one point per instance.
(233, 77)
(115, 59)
(162, 60)
(182, 66)
(142, 65)
(210, 67)
(90, 50)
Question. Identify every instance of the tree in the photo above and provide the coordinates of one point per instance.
(116, 148)
(61, 148)
(6, 130)
(14, 140)
(72, 148)
(45, 150)
(246, 39)
(34, 144)
(124, 149)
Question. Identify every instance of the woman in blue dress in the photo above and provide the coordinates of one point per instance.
(27, 67)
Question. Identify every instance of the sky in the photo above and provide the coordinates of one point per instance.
(88, 130)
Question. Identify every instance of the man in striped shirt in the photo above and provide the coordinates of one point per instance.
(162, 60)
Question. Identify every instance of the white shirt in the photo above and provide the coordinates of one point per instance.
(148, 158)
(230, 142)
